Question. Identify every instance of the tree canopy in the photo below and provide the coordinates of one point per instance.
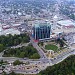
(9, 40)
(28, 51)
(66, 67)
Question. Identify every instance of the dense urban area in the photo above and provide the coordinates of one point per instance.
(37, 37)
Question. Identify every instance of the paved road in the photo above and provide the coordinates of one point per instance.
(40, 51)
(25, 44)
(63, 56)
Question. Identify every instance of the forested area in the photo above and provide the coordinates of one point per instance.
(9, 40)
(28, 51)
(66, 67)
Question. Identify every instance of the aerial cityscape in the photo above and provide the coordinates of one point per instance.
(37, 37)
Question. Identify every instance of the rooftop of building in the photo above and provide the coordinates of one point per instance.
(42, 24)
(66, 22)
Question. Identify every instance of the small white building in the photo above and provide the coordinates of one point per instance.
(5, 26)
(16, 25)
(28, 16)
(0, 28)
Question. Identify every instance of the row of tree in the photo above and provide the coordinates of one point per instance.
(67, 67)
(17, 62)
(60, 42)
(22, 52)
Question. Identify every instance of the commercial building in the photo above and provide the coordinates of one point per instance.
(65, 24)
(41, 31)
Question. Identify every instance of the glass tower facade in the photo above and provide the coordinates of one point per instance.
(41, 31)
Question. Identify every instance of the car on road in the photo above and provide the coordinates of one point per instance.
(25, 58)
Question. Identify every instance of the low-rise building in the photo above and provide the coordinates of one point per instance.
(65, 24)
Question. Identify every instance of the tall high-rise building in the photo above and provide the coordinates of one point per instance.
(41, 31)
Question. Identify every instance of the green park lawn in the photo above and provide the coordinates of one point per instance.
(51, 47)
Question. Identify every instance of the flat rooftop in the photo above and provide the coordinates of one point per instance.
(64, 30)
(41, 24)
(66, 22)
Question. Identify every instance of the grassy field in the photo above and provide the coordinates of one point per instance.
(51, 47)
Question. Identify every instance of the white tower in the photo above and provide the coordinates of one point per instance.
(55, 19)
